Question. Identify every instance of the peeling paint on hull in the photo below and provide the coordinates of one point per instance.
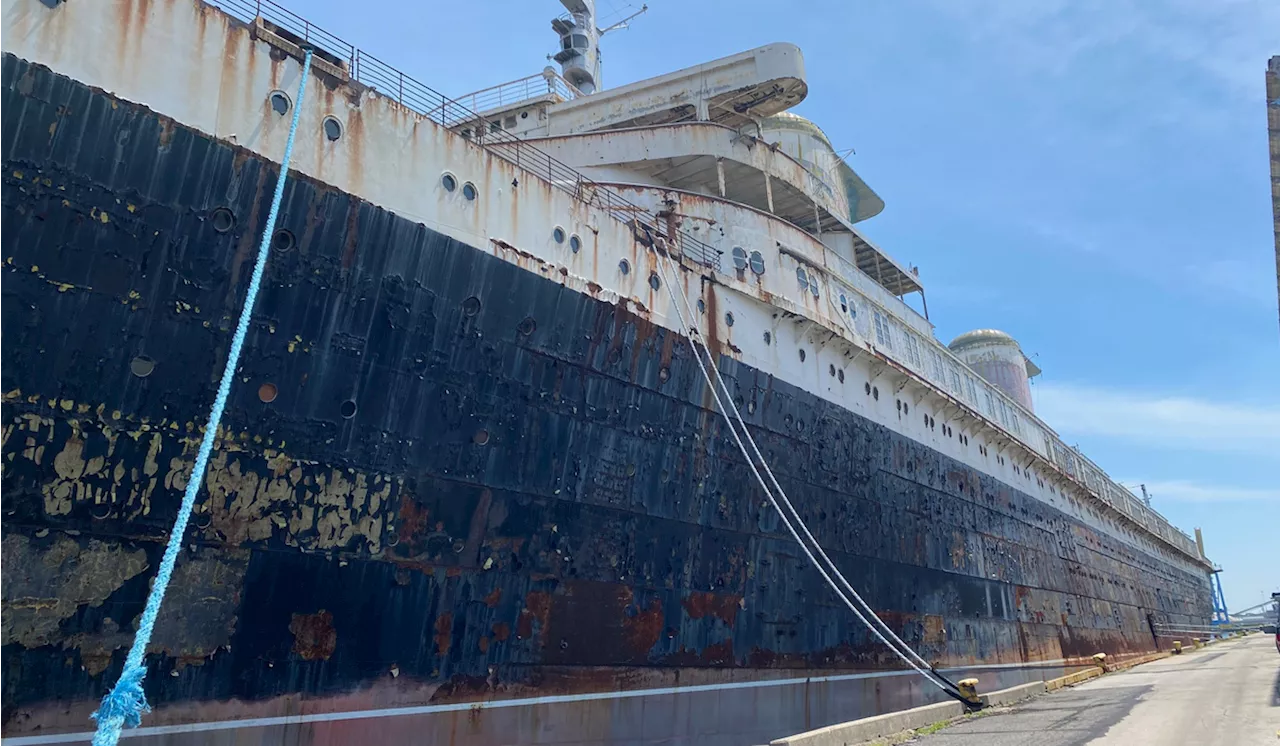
(443, 502)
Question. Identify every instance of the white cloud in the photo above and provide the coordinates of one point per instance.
(1183, 491)
(1161, 421)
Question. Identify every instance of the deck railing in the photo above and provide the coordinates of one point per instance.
(930, 359)
(548, 84)
(370, 71)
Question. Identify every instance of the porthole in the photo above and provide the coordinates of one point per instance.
(575, 244)
(624, 267)
(469, 191)
(867, 388)
(449, 182)
(267, 393)
(831, 369)
(654, 282)
(558, 234)
(280, 102)
(802, 277)
(899, 403)
(739, 257)
(875, 393)
(527, 326)
(728, 319)
(853, 310)
(702, 306)
(844, 304)
(813, 285)
(223, 220)
(332, 129)
(664, 374)
(802, 354)
(471, 306)
(926, 420)
(282, 240)
(142, 366)
(481, 437)
(906, 408)
(840, 375)
(757, 262)
(347, 409)
(768, 338)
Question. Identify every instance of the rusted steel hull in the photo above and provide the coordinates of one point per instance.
(445, 480)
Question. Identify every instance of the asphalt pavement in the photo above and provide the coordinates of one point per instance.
(1226, 694)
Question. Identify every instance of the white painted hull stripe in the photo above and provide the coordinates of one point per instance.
(321, 717)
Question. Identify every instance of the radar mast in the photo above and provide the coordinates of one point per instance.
(579, 54)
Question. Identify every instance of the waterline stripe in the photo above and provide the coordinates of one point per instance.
(322, 717)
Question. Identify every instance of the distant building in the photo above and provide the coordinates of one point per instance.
(1273, 127)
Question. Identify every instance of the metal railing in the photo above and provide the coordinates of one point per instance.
(1013, 419)
(547, 83)
(372, 72)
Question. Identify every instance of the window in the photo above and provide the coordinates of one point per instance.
(813, 284)
(913, 349)
(844, 304)
(802, 277)
(939, 375)
(991, 405)
(971, 389)
(757, 262)
(884, 334)
(955, 380)
(739, 257)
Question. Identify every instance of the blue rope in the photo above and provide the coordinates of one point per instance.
(126, 703)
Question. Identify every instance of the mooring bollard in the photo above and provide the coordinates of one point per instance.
(1177, 647)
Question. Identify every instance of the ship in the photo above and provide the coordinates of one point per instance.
(472, 484)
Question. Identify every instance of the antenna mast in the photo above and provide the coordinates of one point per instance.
(579, 54)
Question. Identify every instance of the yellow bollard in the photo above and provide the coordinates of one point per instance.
(1177, 647)
(1197, 642)
(969, 690)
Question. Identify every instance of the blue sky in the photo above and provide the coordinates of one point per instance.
(1088, 175)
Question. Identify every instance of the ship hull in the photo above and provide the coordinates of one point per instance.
(444, 480)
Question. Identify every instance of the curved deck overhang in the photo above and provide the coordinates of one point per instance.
(695, 156)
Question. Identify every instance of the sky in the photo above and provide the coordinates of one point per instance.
(1090, 176)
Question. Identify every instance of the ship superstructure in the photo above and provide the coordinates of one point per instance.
(472, 483)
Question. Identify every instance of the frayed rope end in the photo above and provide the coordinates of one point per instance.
(126, 702)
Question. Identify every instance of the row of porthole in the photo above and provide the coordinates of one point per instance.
(281, 104)
(223, 220)
(742, 261)
(450, 184)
